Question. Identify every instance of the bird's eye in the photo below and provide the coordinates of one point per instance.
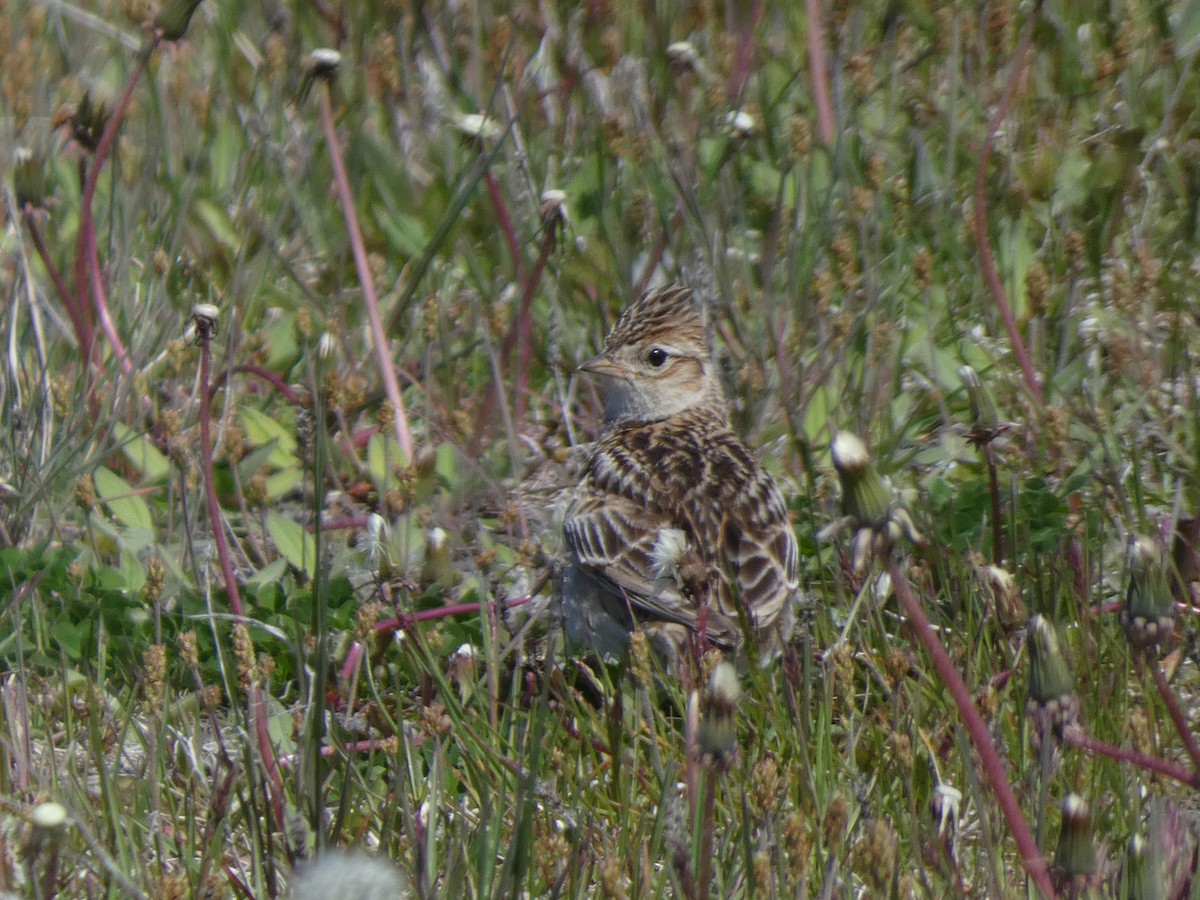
(657, 357)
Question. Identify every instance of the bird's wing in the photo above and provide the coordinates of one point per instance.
(614, 537)
(762, 546)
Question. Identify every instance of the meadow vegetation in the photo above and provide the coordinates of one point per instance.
(266, 595)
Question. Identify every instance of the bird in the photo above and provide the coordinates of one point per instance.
(675, 527)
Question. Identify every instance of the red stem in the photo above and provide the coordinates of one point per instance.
(987, 262)
(505, 220)
(85, 245)
(249, 369)
(1182, 725)
(79, 320)
(524, 324)
(745, 53)
(1077, 738)
(275, 795)
(352, 747)
(387, 369)
(405, 622)
(210, 488)
(818, 67)
(993, 765)
(101, 299)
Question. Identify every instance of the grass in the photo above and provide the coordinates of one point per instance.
(203, 692)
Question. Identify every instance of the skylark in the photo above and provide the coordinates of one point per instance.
(675, 527)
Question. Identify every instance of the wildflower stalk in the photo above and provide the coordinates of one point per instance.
(524, 324)
(977, 730)
(1075, 737)
(85, 247)
(78, 317)
(206, 330)
(1178, 718)
(370, 299)
(249, 369)
(987, 262)
(503, 218)
(818, 67)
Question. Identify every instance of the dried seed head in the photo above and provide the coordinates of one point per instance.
(1000, 588)
(326, 345)
(944, 806)
(669, 546)
(1075, 856)
(1149, 613)
(342, 873)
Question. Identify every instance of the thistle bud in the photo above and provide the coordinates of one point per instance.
(1075, 856)
(31, 185)
(48, 822)
(682, 56)
(1149, 613)
(718, 731)
(741, 124)
(985, 422)
(438, 567)
(462, 669)
(323, 64)
(878, 522)
(554, 207)
(1052, 701)
(205, 317)
(1143, 877)
(865, 498)
(49, 816)
(477, 126)
(173, 19)
(88, 122)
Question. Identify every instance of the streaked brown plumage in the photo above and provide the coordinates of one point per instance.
(675, 526)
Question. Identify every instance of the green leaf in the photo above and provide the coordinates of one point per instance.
(249, 464)
(383, 460)
(69, 636)
(295, 544)
(126, 506)
(1187, 30)
(269, 573)
(142, 454)
(219, 226)
(283, 483)
(261, 429)
(405, 233)
(446, 463)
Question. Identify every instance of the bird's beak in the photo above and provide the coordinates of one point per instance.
(602, 365)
